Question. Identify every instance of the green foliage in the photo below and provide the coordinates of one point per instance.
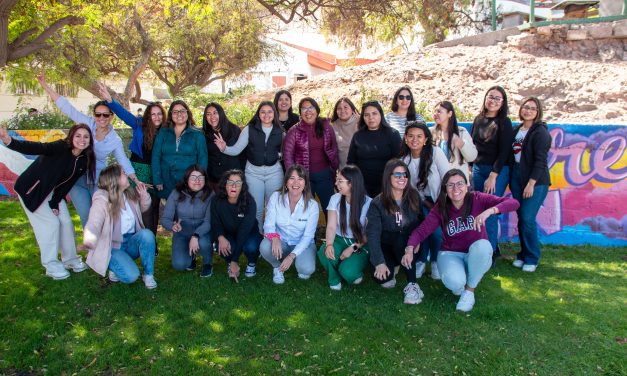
(44, 120)
(562, 320)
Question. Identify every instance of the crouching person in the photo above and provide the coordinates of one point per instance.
(114, 234)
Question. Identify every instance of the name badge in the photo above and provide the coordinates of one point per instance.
(240, 215)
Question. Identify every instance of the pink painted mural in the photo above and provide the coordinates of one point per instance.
(586, 204)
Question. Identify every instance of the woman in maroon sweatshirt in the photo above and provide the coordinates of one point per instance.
(466, 253)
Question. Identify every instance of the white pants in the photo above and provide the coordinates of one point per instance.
(305, 262)
(262, 182)
(53, 232)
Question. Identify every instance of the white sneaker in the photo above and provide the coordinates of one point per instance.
(113, 277)
(251, 270)
(518, 263)
(77, 265)
(337, 287)
(278, 277)
(413, 294)
(529, 268)
(149, 281)
(389, 284)
(458, 292)
(420, 269)
(358, 280)
(435, 273)
(56, 271)
(304, 276)
(466, 301)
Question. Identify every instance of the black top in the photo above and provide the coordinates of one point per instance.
(534, 154)
(55, 170)
(219, 162)
(383, 227)
(493, 139)
(228, 221)
(370, 151)
(262, 153)
(147, 156)
(292, 119)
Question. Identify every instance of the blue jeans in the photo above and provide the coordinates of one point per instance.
(480, 173)
(460, 269)
(250, 248)
(432, 244)
(140, 244)
(527, 213)
(81, 194)
(322, 184)
(180, 250)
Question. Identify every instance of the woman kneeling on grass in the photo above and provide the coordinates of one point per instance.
(187, 215)
(466, 253)
(343, 254)
(42, 189)
(290, 226)
(234, 225)
(115, 234)
(392, 216)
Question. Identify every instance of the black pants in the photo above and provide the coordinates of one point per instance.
(393, 248)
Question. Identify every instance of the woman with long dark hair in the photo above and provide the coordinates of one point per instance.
(344, 254)
(492, 134)
(187, 215)
(466, 253)
(311, 143)
(345, 121)
(530, 179)
(217, 126)
(455, 141)
(145, 128)
(283, 103)
(290, 227)
(179, 144)
(392, 216)
(403, 110)
(115, 234)
(373, 145)
(42, 188)
(428, 164)
(261, 140)
(234, 225)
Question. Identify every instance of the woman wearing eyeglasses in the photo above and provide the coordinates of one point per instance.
(106, 142)
(311, 143)
(403, 110)
(466, 253)
(344, 254)
(428, 164)
(530, 179)
(262, 139)
(234, 225)
(179, 144)
(492, 134)
(373, 145)
(391, 217)
(145, 128)
(187, 215)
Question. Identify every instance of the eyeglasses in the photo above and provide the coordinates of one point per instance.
(495, 99)
(404, 97)
(459, 185)
(310, 108)
(179, 112)
(341, 181)
(399, 175)
(529, 108)
(196, 178)
(234, 183)
(102, 114)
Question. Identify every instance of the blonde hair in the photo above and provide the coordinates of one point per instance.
(109, 181)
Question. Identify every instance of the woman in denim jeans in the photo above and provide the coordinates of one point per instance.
(530, 179)
(492, 135)
(187, 215)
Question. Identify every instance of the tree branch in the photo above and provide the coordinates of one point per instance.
(40, 41)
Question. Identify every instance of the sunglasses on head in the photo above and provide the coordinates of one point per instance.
(403, 97)
(105, 115)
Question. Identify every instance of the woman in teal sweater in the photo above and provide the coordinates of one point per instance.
(179, 144)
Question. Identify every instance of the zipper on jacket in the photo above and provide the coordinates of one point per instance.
(72, 174)
(33, 187)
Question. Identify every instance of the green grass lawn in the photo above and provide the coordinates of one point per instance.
(568, 318)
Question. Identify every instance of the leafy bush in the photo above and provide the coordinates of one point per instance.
(44, 120)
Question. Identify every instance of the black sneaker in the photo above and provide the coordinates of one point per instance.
(207, 271)
(192, 266)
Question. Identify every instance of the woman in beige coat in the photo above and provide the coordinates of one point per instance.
(454, 141)
(114, 234)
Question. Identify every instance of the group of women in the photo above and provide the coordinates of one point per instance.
(397, 193)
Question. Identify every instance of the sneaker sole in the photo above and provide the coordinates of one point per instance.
(278, 282)
(77, 270)
(206, 276)
(58, 278)
(417, 302)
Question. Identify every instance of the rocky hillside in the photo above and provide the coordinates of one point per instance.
(575, 87)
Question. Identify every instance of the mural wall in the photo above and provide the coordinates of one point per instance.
(586, 204)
